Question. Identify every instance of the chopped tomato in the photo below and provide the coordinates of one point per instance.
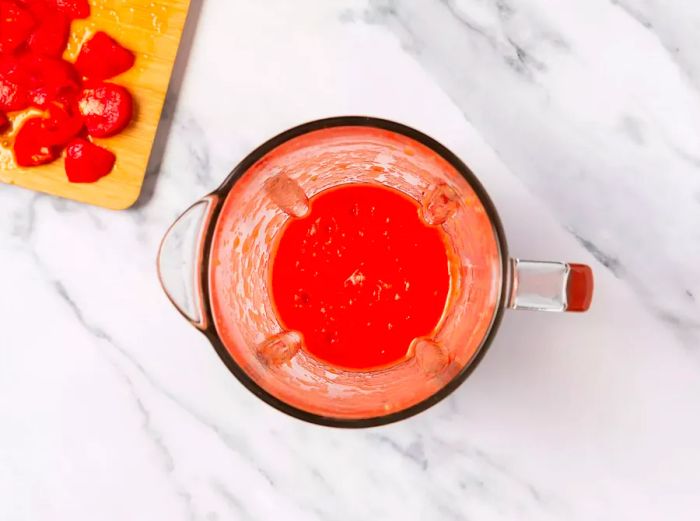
(51, 35)
(48, 79)
(86, 162)
(74, 99)
(16, 24)
(102, 57)
(106, 109)
(73, 9)
(33, 146)
(13, 90)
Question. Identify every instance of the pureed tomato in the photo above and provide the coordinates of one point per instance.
(361, 276)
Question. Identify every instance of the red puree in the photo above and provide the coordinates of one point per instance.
(361, 276)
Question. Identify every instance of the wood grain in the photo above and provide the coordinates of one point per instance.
(152, 30)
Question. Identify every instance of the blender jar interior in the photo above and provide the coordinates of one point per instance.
(277, 188)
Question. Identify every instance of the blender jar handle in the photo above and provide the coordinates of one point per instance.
(550, 286)
(180, 261)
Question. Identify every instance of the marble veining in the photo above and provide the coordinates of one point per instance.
(582, 121)
(598, 83)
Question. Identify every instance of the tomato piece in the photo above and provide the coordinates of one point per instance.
(40, 140)
(13, 90)
(32, 144)
(48, 79)
(102, 57)
(75, 100)
(63, 124)
(38, 8)
(73, 9)
(86, 162)
(51, 35)
(106, 109)
(16, 24)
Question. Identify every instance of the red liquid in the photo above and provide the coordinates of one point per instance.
(361, 276)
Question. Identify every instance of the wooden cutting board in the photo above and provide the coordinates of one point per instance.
(152, 30)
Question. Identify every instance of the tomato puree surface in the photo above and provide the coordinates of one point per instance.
(360, 276)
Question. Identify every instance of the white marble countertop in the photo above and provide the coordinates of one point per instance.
(581, 118)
